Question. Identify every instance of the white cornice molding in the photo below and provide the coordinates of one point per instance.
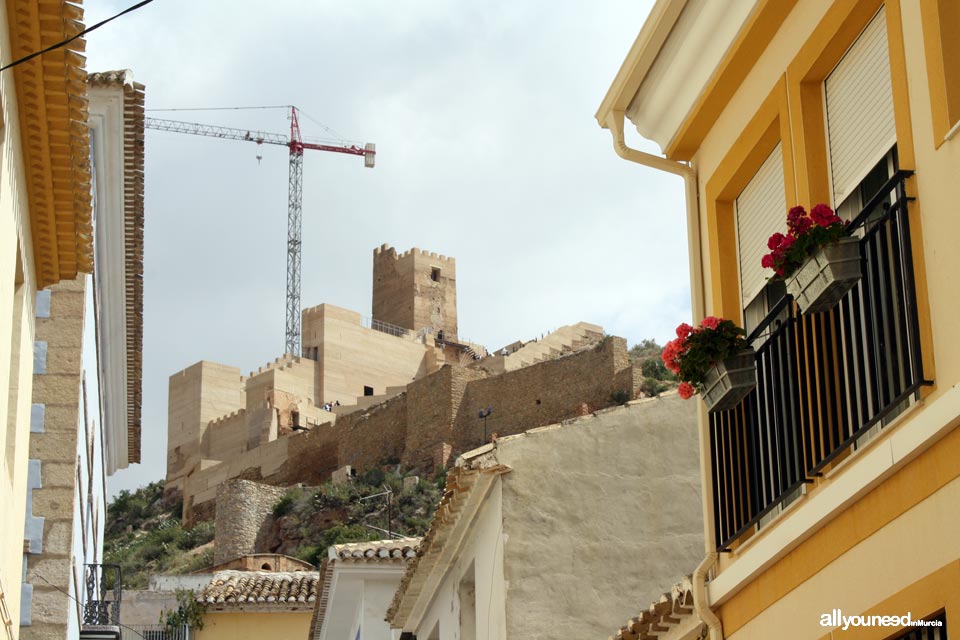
(107, 154)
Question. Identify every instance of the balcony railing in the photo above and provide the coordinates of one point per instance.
(823, 379)
(101, 607)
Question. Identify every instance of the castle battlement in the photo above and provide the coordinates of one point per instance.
(224, 418)
(385, 251)
(278, 363)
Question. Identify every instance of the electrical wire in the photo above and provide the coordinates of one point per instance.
(336, 134)
(81, 604)
(278, 106)
(79, 35)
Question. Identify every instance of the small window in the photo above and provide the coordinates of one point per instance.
(435, 274)
(368, 391)
(266, 566)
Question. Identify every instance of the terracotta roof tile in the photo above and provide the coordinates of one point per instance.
(669, 610)
(261, 588)
(377, 551)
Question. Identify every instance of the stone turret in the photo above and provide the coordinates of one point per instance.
(415, 289)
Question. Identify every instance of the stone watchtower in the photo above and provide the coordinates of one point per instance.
(415, 289)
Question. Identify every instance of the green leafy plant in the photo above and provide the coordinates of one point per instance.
(620, 397)
(189, 612)
(805, 235)
(696, 349)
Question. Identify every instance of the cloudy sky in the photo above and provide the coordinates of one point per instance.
(482, 113)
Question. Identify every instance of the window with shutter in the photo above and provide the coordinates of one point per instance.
(761, 210)
(859, 107)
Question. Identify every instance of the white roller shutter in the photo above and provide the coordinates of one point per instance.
(761, 211)
(860, 124)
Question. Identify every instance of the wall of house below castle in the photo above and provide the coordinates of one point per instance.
(228, 625)
(631, 482)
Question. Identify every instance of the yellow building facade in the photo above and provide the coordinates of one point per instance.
(831, 491)
(45, 232)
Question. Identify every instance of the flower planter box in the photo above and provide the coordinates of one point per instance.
(826, 276)
(728, 382)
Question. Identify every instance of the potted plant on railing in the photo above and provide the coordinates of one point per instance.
(818, 260)
(713, 359)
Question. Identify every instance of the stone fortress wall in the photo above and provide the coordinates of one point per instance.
(434, 419)
(408, 392)
(241, 509)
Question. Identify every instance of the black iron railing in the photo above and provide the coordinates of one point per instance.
(102, 604)
(823, 379)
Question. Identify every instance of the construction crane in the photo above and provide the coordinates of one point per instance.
(297, 146)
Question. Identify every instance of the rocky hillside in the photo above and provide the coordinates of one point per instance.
(145, 537)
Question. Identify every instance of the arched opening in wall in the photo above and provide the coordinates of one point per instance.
(435, 274)
(266, 566)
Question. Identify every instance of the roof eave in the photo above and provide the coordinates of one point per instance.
(657, 27)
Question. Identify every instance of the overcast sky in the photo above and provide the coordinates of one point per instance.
(487, 151)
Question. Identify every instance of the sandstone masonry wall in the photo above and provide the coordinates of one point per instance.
(435, 418)
(53, 453)
(243, 510)
(541, 394)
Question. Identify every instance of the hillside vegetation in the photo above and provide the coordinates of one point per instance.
(656, 377)
(145, 537)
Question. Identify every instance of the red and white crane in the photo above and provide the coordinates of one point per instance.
(297, 146)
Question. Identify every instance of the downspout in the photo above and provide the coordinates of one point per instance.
(614, 123)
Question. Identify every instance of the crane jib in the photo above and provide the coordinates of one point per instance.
(294, 194)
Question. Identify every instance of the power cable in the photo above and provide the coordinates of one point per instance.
(79, 35)
(277, 106)
(336, 134)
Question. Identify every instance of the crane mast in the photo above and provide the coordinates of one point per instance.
(296, 145)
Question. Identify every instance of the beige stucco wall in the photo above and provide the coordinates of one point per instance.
(483, 553)
(281, 625)
(16, 342)
(600, 515)
(909, 548)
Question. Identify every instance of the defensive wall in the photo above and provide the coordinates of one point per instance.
(217, 414)
(435, 418)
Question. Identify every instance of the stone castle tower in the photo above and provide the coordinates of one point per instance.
(415, 289)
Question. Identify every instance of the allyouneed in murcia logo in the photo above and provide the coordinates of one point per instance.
(836, 619)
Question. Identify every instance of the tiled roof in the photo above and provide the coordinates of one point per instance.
(51, 95)
(669, 610)
(260, 588)
(133, 139)
(377, 551)
(460, 482)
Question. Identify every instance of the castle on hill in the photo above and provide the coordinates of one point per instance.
(389, 388)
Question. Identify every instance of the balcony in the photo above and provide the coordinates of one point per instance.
(101, 606)
(824, 380)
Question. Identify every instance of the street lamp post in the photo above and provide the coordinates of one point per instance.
(484, 414)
